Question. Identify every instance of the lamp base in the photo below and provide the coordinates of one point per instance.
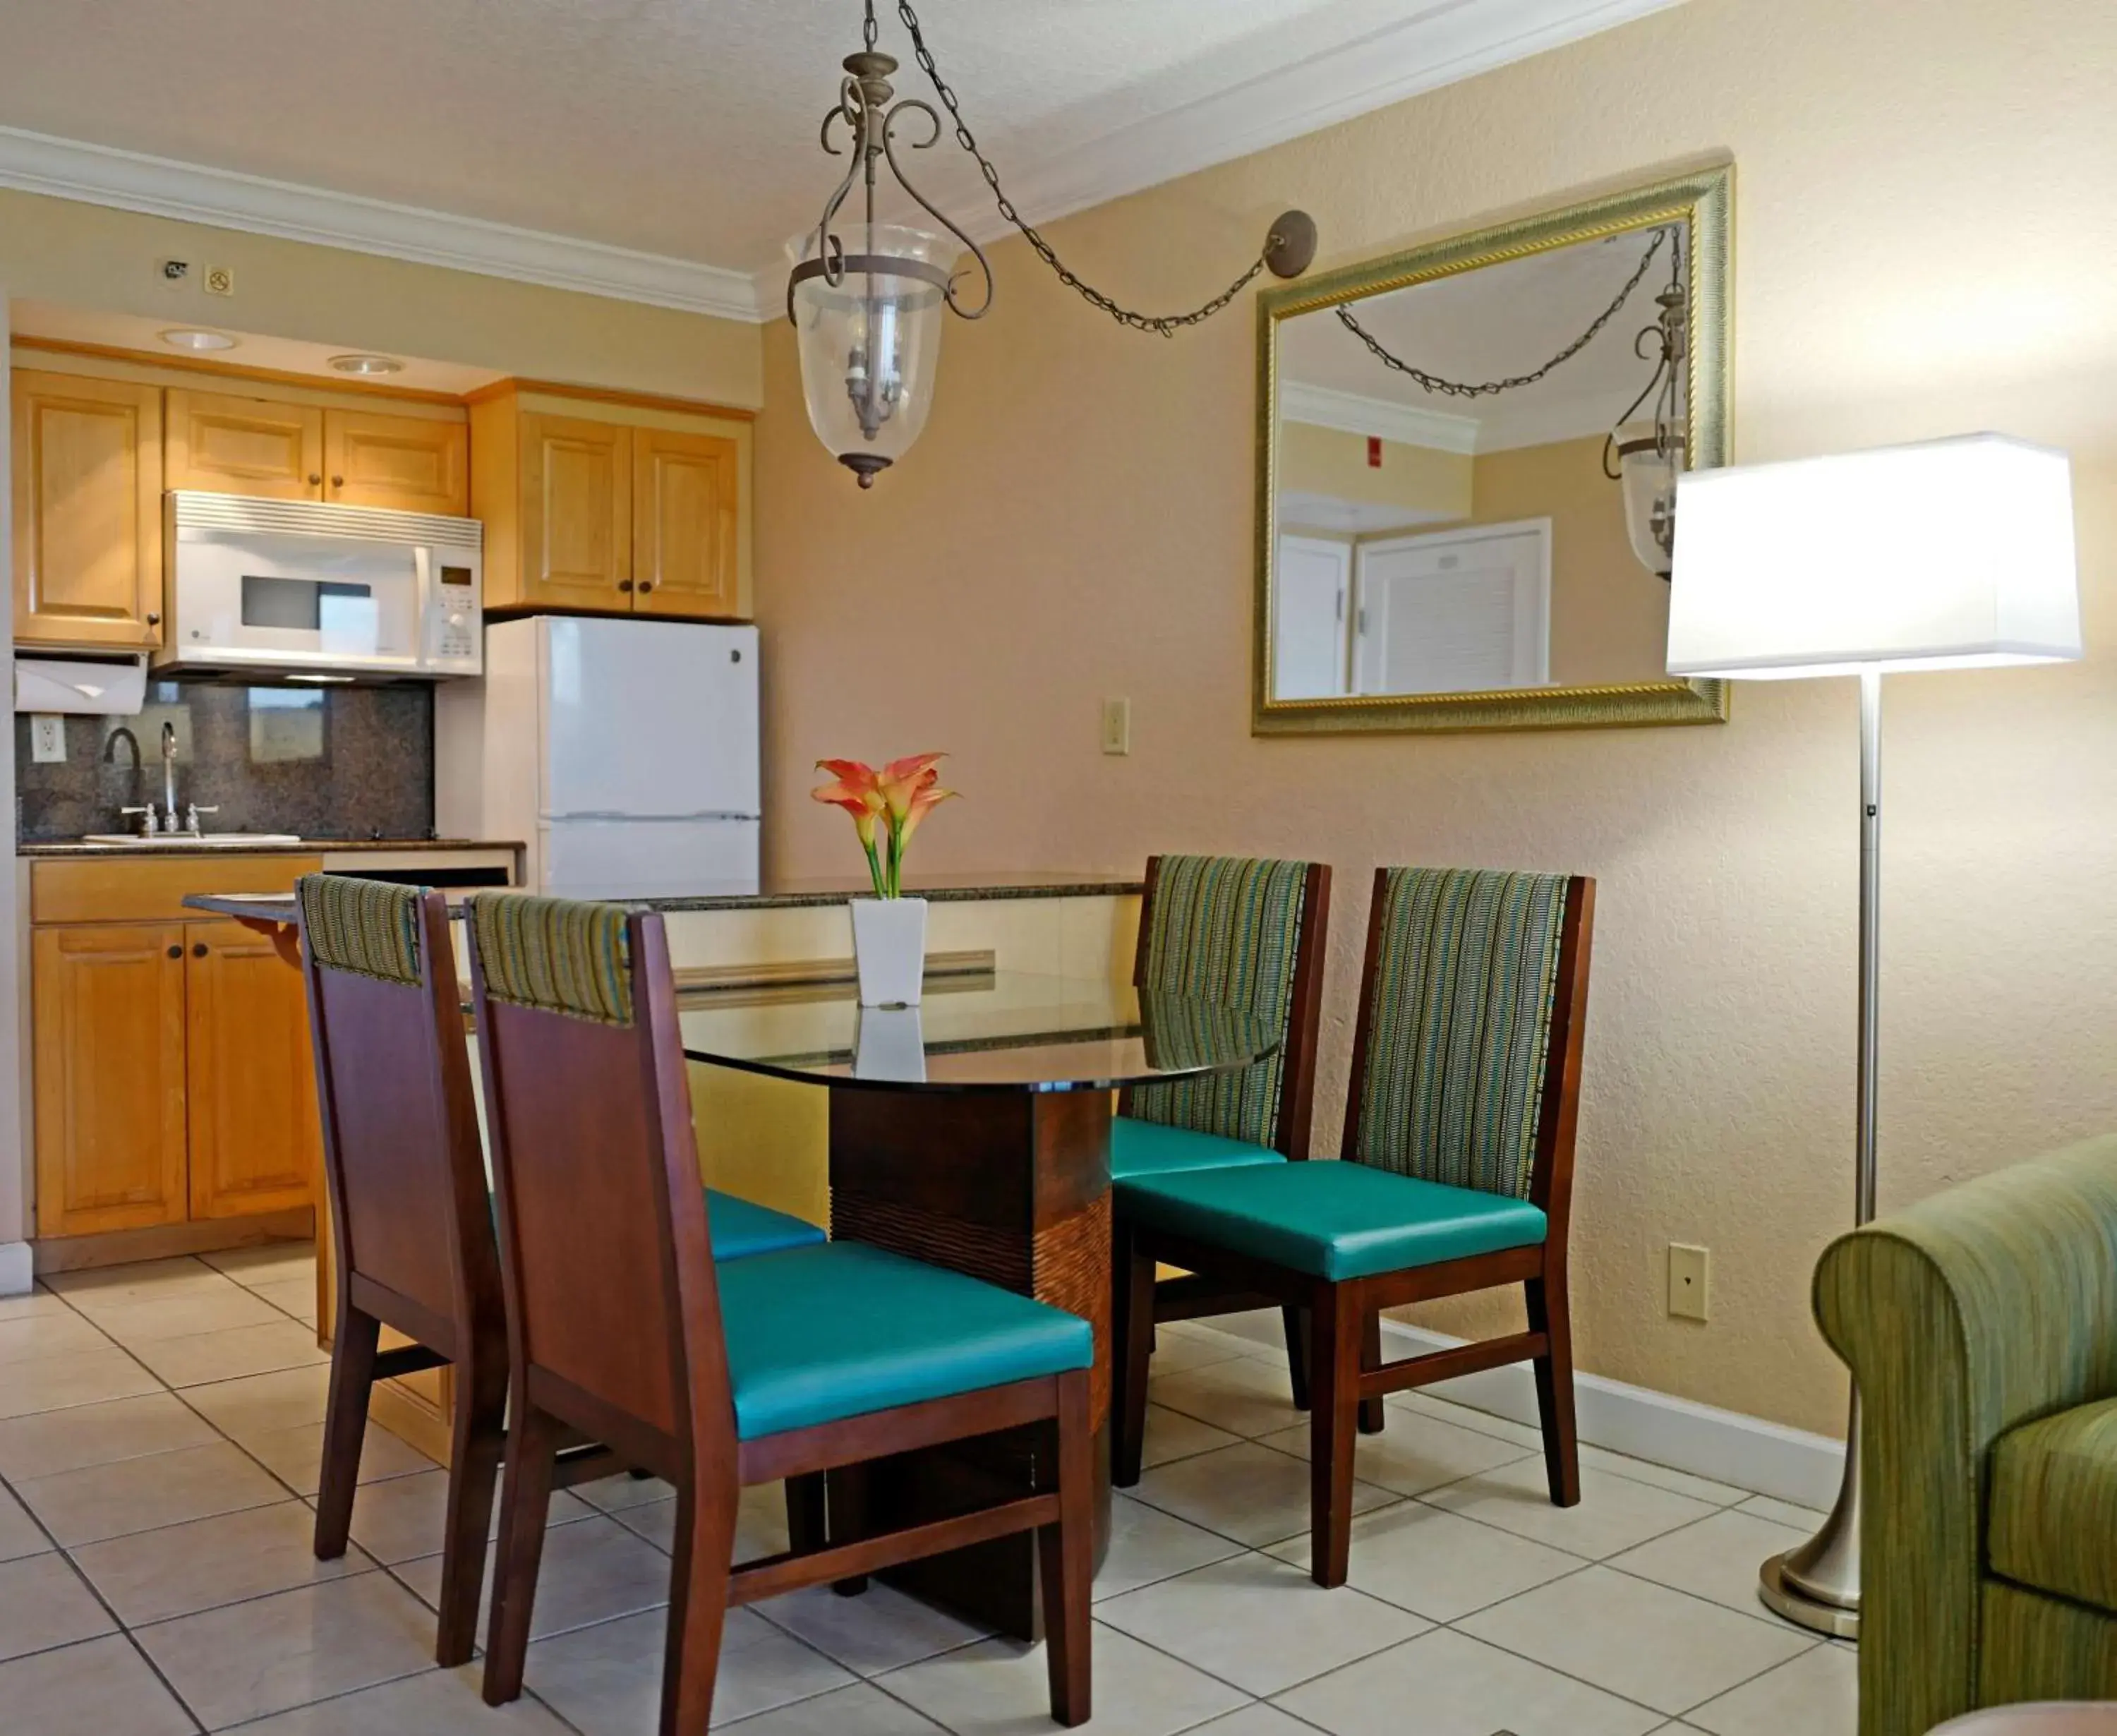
(1782, 1598)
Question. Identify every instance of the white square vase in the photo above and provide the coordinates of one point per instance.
(889, 950)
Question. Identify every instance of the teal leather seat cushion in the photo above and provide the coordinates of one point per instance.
(1151, 1148)
(1331, 1220)
(818, 1334)
(736, 1228)
(740, 1229)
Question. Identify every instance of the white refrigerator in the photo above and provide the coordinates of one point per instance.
(623, 754)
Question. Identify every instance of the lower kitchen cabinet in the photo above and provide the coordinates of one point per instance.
(112, 1150)
(174, 1077)
(249, 1079)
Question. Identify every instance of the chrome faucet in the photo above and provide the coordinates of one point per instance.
(166, 822)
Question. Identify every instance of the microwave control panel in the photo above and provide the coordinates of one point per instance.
(455, 620)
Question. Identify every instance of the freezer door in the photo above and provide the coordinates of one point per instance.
(649, 719)
(647, 858)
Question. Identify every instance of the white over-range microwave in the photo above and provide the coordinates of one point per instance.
(302, 589)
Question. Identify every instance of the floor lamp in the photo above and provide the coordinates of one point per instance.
(1952, 554)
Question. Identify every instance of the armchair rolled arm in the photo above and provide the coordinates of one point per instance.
(1966, 1314)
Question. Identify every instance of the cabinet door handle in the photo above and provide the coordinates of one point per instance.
(198, 950)
(315, 477)
(645, 586)
(176, 951)
(625, 585)
(338, 481)
(153, 618)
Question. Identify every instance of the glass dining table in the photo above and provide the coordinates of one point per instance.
(971, 1132)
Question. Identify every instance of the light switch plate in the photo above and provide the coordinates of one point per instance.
(48, 738)
(1117, 725)
(1690, 1281)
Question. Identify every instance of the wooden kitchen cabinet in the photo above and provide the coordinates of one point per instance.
(684, 503)
(255, 1139)
(109, 1036)
(173, 1081)
(87, 486)
(405, 463)
(220, 444)
(593, 504)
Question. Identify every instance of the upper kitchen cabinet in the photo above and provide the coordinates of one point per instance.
(605, 505)
(406, 463)
(685, 513)
(88, 512)
(281, 450)
(269, 450)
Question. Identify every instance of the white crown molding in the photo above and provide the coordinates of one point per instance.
(1532, 423)
(65, 168)
(1349, 412)
(1442, 42)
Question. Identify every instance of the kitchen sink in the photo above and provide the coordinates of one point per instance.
(183, 841)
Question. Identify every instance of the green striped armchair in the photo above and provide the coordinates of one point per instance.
(1982, 1328)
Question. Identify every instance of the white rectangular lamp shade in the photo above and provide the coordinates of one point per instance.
(1949, 554)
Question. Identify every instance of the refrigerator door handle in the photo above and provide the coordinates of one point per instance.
(644, 819)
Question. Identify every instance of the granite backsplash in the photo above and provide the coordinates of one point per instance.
(324, 762)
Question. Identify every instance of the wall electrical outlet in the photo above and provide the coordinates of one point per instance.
(48, 738)
(1690, 1281)
(1117, 725)
(221, 279)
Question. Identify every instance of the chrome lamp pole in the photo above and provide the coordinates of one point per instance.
(1818, 1584)
(1954, 553)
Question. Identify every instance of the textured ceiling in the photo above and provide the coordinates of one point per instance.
(680, 127)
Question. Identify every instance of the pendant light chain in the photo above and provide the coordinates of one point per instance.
(1457, 389)
(1162, 324)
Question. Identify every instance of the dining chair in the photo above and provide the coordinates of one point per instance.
(719, 1376)
(1250, 935)
(411, 1212)
(1457, 1174)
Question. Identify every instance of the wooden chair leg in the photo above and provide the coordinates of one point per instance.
(1333, 1426)
(525, 1505)
(1132, 1332)
(845, 1491)
(1296, 1322)
(1550, 1313)
(1065, 1553)
(1373, 1416)
(698, 1605)
(806, 1528)
(353, 1347)
(479, 1440)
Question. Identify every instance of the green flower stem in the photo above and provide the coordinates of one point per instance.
(874, 868)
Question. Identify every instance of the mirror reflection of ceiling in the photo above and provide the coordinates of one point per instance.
(1488, 324)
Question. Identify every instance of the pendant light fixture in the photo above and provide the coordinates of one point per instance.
(867, 297)
(1645, 458)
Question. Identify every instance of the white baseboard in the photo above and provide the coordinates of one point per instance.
(1723, 1445)
(16, 1273)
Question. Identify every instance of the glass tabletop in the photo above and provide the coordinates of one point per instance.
(1003, 1030)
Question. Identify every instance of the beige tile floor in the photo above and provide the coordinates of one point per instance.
(159, 1431)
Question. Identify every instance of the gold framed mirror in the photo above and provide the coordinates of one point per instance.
(1466, 463)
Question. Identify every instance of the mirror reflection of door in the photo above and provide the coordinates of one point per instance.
(1310, 633)
(1454, 611)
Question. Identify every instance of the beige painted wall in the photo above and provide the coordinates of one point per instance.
(1609, 615)
(90, 256)
(1917, 252)
(1319, 460)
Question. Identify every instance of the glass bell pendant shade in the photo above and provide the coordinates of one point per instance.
(1647, 468)
(870, 342)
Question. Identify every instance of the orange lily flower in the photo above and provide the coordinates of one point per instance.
(921, 804)
(902, 780)
(858, 792)
(887, 807)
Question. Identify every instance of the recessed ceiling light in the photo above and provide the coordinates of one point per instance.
(191, 337)
(365, 364)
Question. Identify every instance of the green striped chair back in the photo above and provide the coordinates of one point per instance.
(1228, 929)
(1450, 1082)
(557, 955)
(369, 927)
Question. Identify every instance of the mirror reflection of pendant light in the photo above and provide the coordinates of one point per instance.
(1646, 457)
(866, 297)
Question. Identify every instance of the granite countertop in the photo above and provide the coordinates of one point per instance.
(307, 846)
(782, 895)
